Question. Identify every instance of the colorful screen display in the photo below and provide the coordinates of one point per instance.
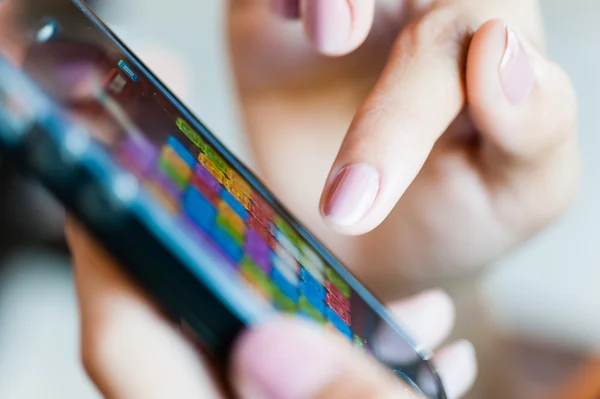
(198, 186)
(193, 181)
(187, 172)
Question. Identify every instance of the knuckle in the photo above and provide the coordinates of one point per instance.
(446, 30)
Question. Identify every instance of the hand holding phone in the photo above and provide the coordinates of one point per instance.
(282, 359)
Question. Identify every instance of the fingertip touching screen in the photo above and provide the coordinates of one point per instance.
(207, 191)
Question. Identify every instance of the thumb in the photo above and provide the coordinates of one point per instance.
(288, 359)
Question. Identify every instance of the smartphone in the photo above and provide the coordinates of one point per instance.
(182, 215)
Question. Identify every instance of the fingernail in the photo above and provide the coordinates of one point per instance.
(516, 72)
(329, 23)
(286, 360)
(286, 8)
(352, 194)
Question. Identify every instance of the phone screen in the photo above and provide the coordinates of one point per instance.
(205, 189)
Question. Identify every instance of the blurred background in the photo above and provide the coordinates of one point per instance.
(534, 318)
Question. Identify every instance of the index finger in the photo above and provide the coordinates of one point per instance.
(419, 94)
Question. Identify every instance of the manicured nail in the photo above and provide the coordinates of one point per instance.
(329, 23)
(516, 72)
(286, 8)
(286, 360)
(352, 194)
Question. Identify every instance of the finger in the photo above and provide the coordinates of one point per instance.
(289, 359)
(526, 112)
(429, 317)
(289, 9)
(457, 367)
(418, 95)
(337, 27)
(521, 102)
(129, 349)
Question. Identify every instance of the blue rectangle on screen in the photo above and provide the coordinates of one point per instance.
(227, 244)
(313, 296)
(311, 288)
(199, 210)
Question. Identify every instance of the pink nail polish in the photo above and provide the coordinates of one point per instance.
(287, 8)
(329, 23)
(516, 73)
(352, 194)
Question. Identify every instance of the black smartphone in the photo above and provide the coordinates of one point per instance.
(181, 214)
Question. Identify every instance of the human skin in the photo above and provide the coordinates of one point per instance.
(467, 170)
